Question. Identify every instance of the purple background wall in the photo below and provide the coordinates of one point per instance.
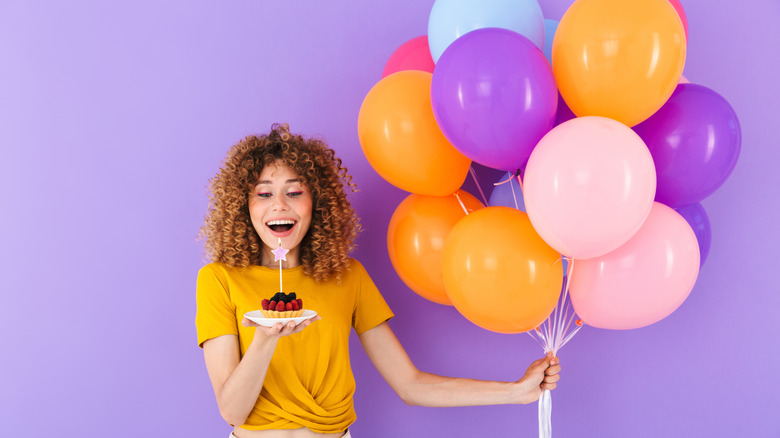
(113, 116)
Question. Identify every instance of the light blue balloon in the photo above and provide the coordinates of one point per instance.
(450, 19)
(502, 195)
(550, 26)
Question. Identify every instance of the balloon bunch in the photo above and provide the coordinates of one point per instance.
(608, 149)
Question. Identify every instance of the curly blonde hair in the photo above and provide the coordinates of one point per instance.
(228, 233)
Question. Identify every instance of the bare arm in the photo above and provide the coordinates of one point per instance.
(237, 382)
(416, 387)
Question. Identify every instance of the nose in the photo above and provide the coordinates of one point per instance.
(280, 203)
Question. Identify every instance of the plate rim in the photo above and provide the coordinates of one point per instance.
(273, 321)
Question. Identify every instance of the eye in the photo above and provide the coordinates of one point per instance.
(264, 195)
(294, 194)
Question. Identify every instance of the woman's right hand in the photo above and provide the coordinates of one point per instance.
(279, 330)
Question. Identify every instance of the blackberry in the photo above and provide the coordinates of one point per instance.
(283, 297)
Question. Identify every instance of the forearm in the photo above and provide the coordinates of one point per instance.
(240, 391)
(438, 391)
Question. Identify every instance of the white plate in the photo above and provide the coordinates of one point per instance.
(257, 317)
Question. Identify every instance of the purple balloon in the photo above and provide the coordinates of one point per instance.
(564, 112)
(695, 140)
(494, 97)
(698, 220)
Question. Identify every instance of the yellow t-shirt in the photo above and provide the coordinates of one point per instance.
(309, 382)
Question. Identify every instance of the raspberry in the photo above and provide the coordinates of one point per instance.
(300, 303)
(280, 306)
(288, 306)
(264, 304)
(294, 304)
(271, 305)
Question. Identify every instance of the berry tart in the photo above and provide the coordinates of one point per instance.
(283, 305)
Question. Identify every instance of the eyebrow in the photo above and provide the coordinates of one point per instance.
(265, 181)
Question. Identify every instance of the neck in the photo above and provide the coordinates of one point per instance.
(293, 259)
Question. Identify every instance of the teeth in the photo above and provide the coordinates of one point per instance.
(281, 222)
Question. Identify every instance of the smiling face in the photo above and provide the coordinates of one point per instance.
(280, 207)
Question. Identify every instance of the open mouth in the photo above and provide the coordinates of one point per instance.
(280, 226)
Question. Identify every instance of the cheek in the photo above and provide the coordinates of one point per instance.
(256, 213)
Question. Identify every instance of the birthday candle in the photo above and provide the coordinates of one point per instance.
(279, 255)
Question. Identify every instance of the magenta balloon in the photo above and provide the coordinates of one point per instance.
(641, 282)
(411, 55)
(695, 141)
(494, 97)
(678, 7)
(589, 186)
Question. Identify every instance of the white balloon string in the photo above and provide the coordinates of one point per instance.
(511, 177)
(545, 414)
(514, 196)
(520, 182)
(462, 205)
(571, 335)
(479, 187)
(554, 334)
(570, 319)
(564, 302)
(540, 342)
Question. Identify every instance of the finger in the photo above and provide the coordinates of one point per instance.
(246, 322)
(552, 379)
(307, 322)
(549, 386)
(536, 368)
(269, 331)
(302, 326)
(285, 329)
(555, 369)
(540, 365)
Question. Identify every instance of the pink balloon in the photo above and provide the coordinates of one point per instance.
(643, 281)
(589, 185)
(684, 80)
(411, 55)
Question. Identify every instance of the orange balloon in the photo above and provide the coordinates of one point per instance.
(402, 141)
(499, 273)
(416, 237)
(618, 59)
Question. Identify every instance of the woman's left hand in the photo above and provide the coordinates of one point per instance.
(542, 374)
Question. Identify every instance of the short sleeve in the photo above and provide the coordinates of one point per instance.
(216, 314)
(370, 307)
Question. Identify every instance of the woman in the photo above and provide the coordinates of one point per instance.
(290, 381)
